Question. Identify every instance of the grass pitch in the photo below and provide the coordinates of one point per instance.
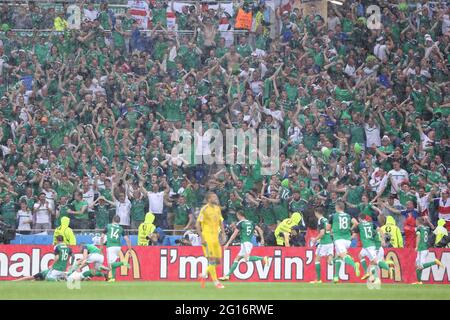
(233, 290)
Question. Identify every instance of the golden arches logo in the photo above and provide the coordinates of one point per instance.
(391, 255)
(134, 264)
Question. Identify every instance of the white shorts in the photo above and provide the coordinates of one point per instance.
(95, 258)
(421, 257)
(246, 249)
(113, 254)
(368, 252)
(56, 275)
(325, 250)
(380, 254)
(342, 245)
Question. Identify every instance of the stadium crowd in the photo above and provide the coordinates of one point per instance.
(87, 115)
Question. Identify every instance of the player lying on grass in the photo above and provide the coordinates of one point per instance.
(245, 229)
(92, 254)
(325, 246)
(341, 225)
(40, 276)
(367, 233)
(113, 233)
(422, 237)
(209, 224)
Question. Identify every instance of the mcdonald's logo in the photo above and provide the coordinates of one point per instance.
(391, 255)
(135, 267)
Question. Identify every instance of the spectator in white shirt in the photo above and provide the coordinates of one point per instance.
(24, 219)
(381, 50)
(90, 13)
(397, 176)
(156, 201)
(373, 135)
(378, 182)
(123, 207)
(42, 213)
(333, 20)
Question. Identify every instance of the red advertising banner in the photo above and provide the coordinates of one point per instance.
(187, 263)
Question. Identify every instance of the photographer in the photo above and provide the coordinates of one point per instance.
(189, 238)
(392, 234)
(7, 232)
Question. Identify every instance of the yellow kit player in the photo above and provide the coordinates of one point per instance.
(209, 224)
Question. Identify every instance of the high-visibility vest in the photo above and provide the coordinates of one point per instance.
(243, 20)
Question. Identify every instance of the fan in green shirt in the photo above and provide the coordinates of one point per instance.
(267, 214)
(8, 211)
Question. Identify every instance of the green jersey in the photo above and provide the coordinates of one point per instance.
(424, 233)
(91, 249)
(367, 234)
(322, 225)
(341, 226)
(377, 240)
(102, 216)
(113, 233)
(182, 213)
(64, 253)
(246, 229)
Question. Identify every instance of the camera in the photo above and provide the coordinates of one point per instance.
(387, 240)
(7, 232)
(444, 243)
(183, 241)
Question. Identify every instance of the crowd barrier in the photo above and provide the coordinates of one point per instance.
(39, 239)
(179, 263)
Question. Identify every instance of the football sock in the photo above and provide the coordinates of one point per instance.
(419, 275)
(114, 266)
(255, 258)
(98, 274)
(350, 261)
(383, 265)
(374, 272)
(337, 267)
(87, 274)
(212, 272)
(428, 264)
(233, 267)
(364, 265)
(318, 270)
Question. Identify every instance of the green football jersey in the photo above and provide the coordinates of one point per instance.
(424, 233)
(367, 234)
(322, 225)
(377, 239)
(64, 253)
(341, 226)
(246, 229)
(285, 193)
(91, 248)
(113, 233)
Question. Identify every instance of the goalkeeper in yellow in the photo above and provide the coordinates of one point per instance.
(209, 224)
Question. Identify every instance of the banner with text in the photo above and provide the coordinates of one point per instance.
(187, 263)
